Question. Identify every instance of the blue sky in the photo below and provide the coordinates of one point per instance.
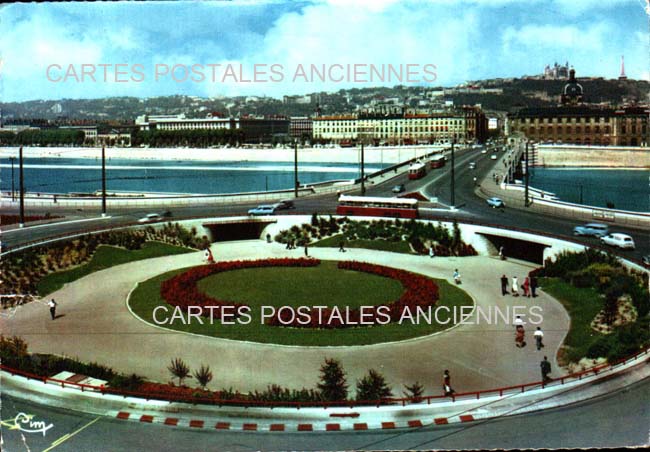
(464, 39)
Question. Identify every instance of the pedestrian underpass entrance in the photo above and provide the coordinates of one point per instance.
(517, 248)
(229, 230)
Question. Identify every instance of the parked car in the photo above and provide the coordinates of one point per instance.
(150, 218)
(496, 202)
(399, 188)
(645, 260)
(591, 229)
(284, 205)
(262, 210)
(622, 241)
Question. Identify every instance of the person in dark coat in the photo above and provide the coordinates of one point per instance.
(504, 285)
(545, 366)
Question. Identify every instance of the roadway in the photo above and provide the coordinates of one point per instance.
(437, 183)
(618, 419)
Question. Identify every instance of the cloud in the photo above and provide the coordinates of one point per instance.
(465, 39)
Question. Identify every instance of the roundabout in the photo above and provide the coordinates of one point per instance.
(298, 302)
(97, 326)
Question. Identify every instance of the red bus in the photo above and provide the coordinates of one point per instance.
(377, 207)
(438, 161)
(417, 170)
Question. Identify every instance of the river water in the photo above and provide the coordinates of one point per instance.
(67, 175)
(625, 189)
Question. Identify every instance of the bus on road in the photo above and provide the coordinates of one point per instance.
(377, 207)
(417, 170)
(437, 161)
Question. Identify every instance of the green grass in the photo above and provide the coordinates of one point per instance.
(379, 244)
(297, 286)
(106, 256)
(582, 304)
(275, 286)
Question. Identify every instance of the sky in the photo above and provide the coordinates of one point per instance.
(124, 48)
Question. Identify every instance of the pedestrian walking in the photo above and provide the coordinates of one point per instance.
(518, 322)
(432, 253)
(208, 256)
(526, 287)
(545, 366)
(288, 247)
(342, 246)
(446, 384)
(520, 336)
(533, 286)
(501, 255)
(515, 287)
(306, 248)
(52, 305)
(539, 336)
(268, 238)
(504, 284)
(457, 277)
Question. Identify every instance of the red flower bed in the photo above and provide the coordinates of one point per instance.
(419, 291)
(181, 290)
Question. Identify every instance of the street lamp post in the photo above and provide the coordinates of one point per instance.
(103, 182)
(13, 189)
(21, 183)
(453, 176)
(363, 133)
(295, 168)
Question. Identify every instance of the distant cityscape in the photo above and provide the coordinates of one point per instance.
(553, 106)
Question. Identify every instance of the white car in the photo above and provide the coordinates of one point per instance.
(493, 157)
(622, 241)
(496, 203)
(151, 218)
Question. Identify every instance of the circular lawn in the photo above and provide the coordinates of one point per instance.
(275, 287)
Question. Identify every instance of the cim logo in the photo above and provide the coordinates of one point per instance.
(26, 424)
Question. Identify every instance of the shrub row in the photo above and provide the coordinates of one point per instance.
(23, 269)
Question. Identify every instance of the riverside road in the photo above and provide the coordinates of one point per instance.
(435, 184)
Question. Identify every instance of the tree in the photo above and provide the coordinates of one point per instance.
(203, 376)
(373, 387)
(414, 392)
(179, 369)
(333, 385)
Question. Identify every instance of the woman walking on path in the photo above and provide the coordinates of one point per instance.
(526, 287)
(515, 287)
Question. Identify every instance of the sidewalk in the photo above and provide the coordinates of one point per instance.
(97, 326)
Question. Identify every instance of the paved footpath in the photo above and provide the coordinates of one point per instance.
(95, 325)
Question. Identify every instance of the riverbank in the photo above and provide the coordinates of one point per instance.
(382, 154)
(573, 156)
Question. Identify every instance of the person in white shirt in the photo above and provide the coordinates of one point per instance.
(539, 335)
(52, 305)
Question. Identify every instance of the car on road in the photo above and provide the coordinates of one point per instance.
(399, 188)
(150, 218)
(472, 165)
(483, 151)
(496, 202)
(592, 230)
(284, 205)
(622, 241)
(493, 157)
(265, 209)
(645, 260)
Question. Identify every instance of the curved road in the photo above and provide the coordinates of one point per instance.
(617, 420)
